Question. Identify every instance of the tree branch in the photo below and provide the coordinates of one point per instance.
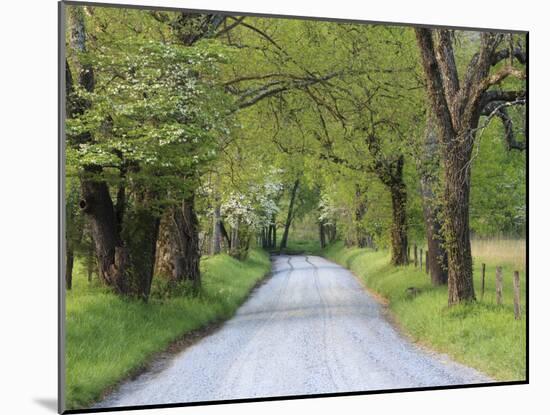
(517, 53)
(499, 76)
(277, 87)
(446, 61)
(499, 109)
(434, 80)
(501, 96)
(230, 27)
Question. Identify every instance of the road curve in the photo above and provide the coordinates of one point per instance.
(310, 329)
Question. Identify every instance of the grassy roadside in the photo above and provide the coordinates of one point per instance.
(299, 247)
(108, 337)
(481, 335)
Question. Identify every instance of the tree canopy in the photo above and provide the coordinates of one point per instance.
(195, 133)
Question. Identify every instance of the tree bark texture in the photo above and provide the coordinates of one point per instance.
(69, 262)
(141, 234)
(187, 225)
(178, 255)
(389, 170)
(112, 256)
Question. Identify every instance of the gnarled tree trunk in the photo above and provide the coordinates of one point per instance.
(390, 173)
(187, 227)
(457, 223)
(457, 106)
(437, 259)
(141, 233)
(112, 257)
(178, 255)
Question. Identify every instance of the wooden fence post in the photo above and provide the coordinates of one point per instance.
(415, 255)
(427, 262)
(517, 308)
(420, 256)
(482, 281)
(498, 285)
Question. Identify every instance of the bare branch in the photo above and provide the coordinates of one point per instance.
(500, 76)
(276, 87)
(230, 27)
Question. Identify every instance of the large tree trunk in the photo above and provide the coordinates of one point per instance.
(362, 237)
(457, 223)
(141, 234)
(399, 241)
(188, 258)
(167, 246)
(69, 268)
(112, 257)
(390, 173)
(429, 169)
(389, 169)
(437, 258)
(91, 262)
(178, 255)
(289, 214)
(120, 205)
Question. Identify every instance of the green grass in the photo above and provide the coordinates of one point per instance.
(299, 247)
(303, 247)
(108, 337)
(482, 334)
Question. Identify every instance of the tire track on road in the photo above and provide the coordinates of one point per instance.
(326, 328)
(244, 357)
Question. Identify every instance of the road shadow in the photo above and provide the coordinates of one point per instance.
(48, 403)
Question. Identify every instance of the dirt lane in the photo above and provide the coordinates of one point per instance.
(310, 329)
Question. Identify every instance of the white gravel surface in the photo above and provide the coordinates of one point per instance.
(310, 329)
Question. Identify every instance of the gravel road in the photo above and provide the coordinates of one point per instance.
(310, 329)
